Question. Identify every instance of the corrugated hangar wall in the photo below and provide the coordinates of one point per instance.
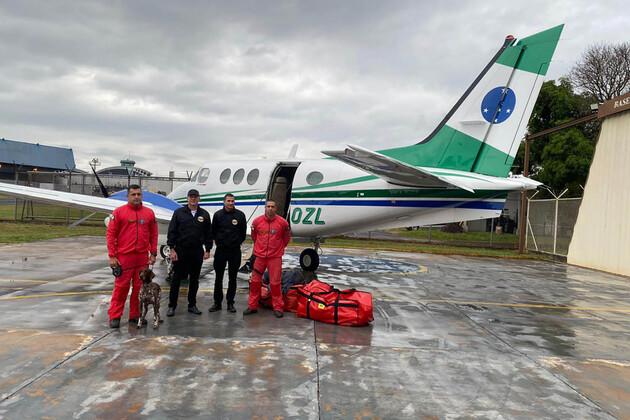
(601, 237)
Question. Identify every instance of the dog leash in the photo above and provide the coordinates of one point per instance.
(118, 270)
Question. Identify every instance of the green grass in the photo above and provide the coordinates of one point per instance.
(50, 213)
(18, 232)
(438, 235)
(396, 246)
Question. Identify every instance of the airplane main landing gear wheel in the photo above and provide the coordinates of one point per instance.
(309, 260)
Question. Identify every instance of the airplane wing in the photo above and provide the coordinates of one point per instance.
(86, 202)
(392, 170)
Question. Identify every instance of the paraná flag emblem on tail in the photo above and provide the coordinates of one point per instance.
(498, 105)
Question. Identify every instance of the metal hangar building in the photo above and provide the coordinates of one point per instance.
(21, 157)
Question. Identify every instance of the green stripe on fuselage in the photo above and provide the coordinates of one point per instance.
(393, 193)
(337, 183)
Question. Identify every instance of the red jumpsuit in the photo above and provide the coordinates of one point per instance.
(132, 233)
(270, 237)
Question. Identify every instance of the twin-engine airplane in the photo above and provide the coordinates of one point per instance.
(459, 172)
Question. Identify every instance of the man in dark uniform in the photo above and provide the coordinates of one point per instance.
(189, 231)
(229, 228)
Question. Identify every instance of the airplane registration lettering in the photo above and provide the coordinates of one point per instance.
(296, 216)
(317, 221)
(307, 217)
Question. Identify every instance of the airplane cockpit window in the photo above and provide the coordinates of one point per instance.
(194, 177)
(238, 176)
(225, 175)
(252, 176)
(314, 178)
(203, 175)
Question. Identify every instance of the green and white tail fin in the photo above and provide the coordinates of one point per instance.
(483, 131)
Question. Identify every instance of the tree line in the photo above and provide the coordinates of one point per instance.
(561, 160)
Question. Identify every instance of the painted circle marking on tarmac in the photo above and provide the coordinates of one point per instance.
(357, 265)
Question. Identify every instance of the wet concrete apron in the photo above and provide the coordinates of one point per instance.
(452, 337)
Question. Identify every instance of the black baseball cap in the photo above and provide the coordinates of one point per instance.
(193, 192)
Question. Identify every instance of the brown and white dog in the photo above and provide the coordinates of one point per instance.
(149, 295)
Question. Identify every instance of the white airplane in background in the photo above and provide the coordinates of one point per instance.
(459, 172)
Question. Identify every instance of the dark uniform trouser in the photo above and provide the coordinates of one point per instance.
(230, 256)
(188, 263)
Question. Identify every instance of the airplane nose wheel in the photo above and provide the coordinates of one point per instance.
(309, 259)
(165, 251)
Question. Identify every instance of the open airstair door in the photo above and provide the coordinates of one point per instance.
(280, 186)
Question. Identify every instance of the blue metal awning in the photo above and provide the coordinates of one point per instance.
(37, 155)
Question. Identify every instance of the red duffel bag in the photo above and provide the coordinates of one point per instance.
(322, 302)
(290, 298)
(291, 281)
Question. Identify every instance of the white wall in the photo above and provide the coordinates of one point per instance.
(601, 237)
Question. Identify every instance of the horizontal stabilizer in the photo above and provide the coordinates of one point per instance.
(392, 170)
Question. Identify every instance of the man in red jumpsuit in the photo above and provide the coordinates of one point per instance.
(132, 235)
(271, 234)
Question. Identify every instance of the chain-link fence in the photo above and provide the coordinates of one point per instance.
(87, 184)
(550, 224)
(78, 183)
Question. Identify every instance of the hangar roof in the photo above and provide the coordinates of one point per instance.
(36, 155)
(122, 170)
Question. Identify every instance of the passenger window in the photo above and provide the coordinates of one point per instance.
(252, 176)
(203, 175)
(314, 178)
(225, 175)
(238, 176)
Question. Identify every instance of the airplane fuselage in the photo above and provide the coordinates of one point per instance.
(322, 197)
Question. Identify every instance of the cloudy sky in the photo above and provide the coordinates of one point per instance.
(174, 84)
